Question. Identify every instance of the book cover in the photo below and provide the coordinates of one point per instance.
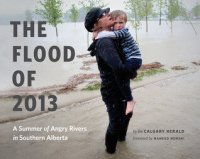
(50, 100)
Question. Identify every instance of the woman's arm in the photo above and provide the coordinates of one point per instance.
(108, 53)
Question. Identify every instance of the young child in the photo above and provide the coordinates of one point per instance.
(128, 44)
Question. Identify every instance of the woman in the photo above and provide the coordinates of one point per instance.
(115, 74)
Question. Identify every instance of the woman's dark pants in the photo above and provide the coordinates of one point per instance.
(118, 124)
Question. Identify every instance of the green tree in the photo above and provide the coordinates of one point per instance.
(87, 5)
(147, 10)
(51, 11)
(161, 6)
(28, 15)
(134, 7)
(184, 13)
(92, 3)
(173, 10)
(196, 10)
(73, 13)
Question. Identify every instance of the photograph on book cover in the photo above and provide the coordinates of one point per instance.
(100, 79)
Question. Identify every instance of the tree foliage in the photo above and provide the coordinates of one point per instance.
(147, 10)
(73, 13)
(51, 11)
(196, 10)
(161, 6)
(173, 10)
(134, 7)
(91, 3)
(187, 16)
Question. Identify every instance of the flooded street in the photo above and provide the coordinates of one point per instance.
(163, 126)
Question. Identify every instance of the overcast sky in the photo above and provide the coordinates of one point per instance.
(19, 6)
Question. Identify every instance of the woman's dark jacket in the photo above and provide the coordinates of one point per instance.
(114, 70)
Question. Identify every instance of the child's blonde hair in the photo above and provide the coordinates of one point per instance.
(116, 13)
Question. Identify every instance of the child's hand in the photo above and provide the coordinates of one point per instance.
(130, 106)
